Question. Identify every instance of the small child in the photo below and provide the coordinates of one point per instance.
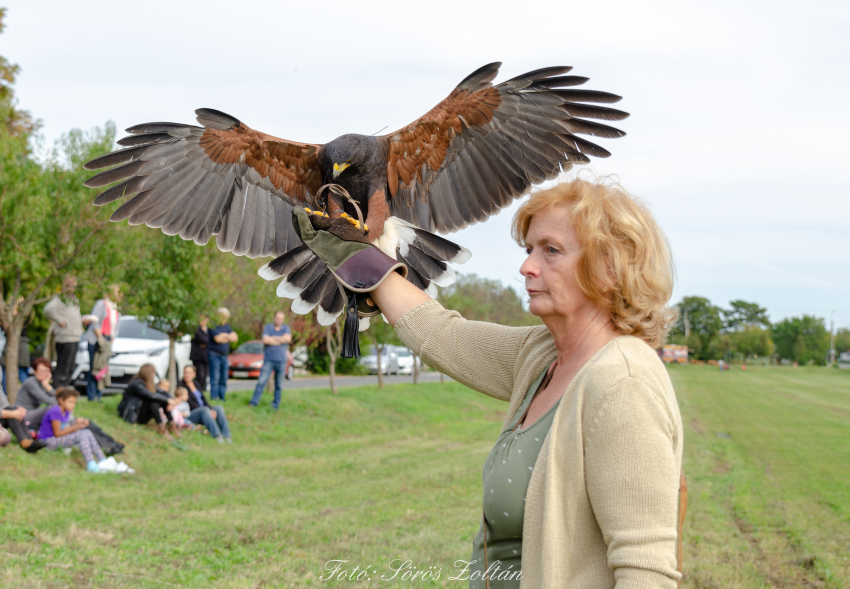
(56, 432)
(181, 412)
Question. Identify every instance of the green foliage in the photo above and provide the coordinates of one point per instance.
(752, 341)
(743, 314)
(482, 299)
(704, 323)
(318, 362)
(168, 283)
(802, 339)
(842, 340)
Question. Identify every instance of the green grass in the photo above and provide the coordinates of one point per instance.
(767, 456)
(371, 475)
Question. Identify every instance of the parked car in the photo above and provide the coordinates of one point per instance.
(247, 360)
(405, 360)
(137, 344)
(389, 360)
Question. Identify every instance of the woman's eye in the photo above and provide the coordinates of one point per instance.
(528, 251)
(551, 250)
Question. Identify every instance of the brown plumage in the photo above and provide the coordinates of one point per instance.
(463, 161)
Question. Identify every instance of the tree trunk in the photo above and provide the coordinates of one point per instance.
(329, 342)
(13, 338)
(415, 369)
(442, 377)
(172, 363)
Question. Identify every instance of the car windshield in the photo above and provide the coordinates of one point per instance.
(250, 348)
(134, 329)
(403, 353)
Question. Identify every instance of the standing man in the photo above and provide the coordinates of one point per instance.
(64, 311)
(199, 353)
(106, 311)
(221, 337)
(276, 338)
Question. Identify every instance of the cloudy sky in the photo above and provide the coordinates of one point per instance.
(737, 139)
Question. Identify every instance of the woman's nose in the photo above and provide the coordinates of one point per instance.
(529, 268)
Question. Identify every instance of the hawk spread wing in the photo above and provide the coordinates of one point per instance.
(484, 145)
(223, 178)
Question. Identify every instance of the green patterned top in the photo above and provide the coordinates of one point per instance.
(507, 473)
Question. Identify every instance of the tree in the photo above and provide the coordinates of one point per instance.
(842, 340)
(698, 324)
(333, 341)
(752, 341)
(802, 339)
(743, 315)
(482, 299)
(17, 123)
(48, 228)
(169, 286)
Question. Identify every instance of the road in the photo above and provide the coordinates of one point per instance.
(316, 382)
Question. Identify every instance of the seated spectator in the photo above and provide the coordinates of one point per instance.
(36, 394)
(14, 418)
(57, 432)
(212, 418)
(142, 402)
(181, 412)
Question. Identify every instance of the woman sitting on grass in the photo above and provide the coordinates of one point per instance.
(56, 431)
(142, 402)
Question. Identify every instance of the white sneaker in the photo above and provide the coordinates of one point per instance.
(122, 468)
(108, 465)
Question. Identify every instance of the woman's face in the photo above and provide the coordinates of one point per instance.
(43, 373)
(550, 268)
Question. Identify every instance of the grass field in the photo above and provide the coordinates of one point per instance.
(370, 476)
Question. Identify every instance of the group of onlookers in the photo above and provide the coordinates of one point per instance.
(145, 402)
(42, 416)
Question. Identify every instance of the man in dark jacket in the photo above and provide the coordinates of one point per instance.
(211, 417)
(199, 353)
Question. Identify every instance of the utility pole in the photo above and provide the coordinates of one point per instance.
(687, 324)
(832, 338)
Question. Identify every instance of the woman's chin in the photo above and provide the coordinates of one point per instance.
(538, 308)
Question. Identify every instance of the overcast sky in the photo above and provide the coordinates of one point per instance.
(737, 139)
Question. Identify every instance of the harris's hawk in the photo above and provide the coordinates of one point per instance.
(466, 159)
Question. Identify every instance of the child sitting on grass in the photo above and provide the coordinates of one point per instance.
(56, 431)
(181, 412)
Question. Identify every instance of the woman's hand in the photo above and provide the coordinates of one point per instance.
(18, 413)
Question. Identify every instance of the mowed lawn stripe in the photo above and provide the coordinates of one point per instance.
(768, 464)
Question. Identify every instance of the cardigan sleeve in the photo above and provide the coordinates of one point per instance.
(482, 356)
(632, 475)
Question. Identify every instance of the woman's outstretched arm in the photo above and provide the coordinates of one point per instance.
(396, 296)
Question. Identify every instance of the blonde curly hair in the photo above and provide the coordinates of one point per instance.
(626, 266)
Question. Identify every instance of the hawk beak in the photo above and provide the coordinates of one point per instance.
(338, 169)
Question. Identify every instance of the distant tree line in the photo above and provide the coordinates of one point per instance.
(744, 331)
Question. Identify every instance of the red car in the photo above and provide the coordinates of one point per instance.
(247, 360)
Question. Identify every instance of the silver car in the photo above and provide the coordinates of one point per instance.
(389, 360)
(137, 344)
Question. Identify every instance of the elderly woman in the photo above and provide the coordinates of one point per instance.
(581, 487)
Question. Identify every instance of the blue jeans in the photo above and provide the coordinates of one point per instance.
(217, 426)
(91, 382)
(218, 376)
(22, 376)
(279, 367)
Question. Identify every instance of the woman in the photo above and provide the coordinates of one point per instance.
(199, 353)
(581, 487)
(107, 325)
(142, 402)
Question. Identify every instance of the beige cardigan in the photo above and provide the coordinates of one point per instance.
(601, 509)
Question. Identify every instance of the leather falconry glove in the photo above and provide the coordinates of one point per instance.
(357, 264)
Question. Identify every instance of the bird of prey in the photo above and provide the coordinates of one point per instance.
(467, 158)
